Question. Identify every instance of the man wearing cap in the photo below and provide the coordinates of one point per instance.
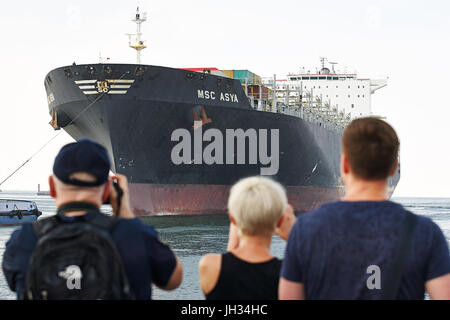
(80, 184)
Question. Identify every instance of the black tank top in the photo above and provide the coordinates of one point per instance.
(241, 280)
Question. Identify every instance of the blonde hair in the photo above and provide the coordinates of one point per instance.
(257, 203)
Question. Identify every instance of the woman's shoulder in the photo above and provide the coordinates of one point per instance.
(209, 270)
(210, 260)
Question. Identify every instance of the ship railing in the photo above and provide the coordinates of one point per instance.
(310, 108)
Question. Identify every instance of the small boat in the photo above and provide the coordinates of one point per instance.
(18, 211)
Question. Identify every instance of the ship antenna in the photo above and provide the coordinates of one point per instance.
(136, 43)
(332, 66)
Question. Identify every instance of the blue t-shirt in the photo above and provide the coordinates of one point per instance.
(145, 258)
(330, 250)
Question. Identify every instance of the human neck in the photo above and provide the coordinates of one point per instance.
(253, 248)
(360, 190)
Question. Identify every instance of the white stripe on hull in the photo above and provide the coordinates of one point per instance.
(84, 81)
(119, 81)
(120, 86)
(117, 92)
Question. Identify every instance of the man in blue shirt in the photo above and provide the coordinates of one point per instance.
(80, 176)
(365, 246)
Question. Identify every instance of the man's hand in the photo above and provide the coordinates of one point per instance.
(285, 223)
(125, 208)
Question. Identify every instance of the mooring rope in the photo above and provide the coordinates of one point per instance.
(56, 135)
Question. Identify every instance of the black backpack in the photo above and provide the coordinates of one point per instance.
(76, 260)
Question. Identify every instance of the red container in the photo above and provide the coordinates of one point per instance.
(253, 91)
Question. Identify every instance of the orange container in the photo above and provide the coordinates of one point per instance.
(228, 73)
(256, 79)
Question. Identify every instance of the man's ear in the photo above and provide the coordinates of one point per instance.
(344, 164)
(394, 169)
(51, 184)
(107, 190)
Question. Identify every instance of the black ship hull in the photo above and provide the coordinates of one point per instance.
(135, 112)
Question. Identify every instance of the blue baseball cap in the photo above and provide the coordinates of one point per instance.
(84, 155)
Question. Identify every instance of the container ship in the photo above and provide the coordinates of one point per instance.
(183, 136)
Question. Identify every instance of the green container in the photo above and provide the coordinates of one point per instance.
(244, 76)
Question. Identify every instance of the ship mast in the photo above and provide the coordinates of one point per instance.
(136, 43)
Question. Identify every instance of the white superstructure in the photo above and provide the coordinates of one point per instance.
(341, 93)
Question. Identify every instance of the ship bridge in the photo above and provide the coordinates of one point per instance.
(320, 76)
(341, 91)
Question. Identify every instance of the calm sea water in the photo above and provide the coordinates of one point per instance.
(193, 236)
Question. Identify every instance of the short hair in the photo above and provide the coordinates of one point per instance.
(371, 147)
(257, 203)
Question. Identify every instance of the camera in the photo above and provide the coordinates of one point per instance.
(119, 194)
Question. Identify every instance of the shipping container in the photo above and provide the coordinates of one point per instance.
(245, 76)
(253, 90)
(228, 73)
(219, 73)
(256, 79)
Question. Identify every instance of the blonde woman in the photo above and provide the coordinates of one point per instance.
(258, 208)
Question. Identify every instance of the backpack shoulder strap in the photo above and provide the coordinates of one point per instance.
(403, 250)
(93, 214)
(100, 220)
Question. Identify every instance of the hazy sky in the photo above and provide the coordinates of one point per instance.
(407, 41)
